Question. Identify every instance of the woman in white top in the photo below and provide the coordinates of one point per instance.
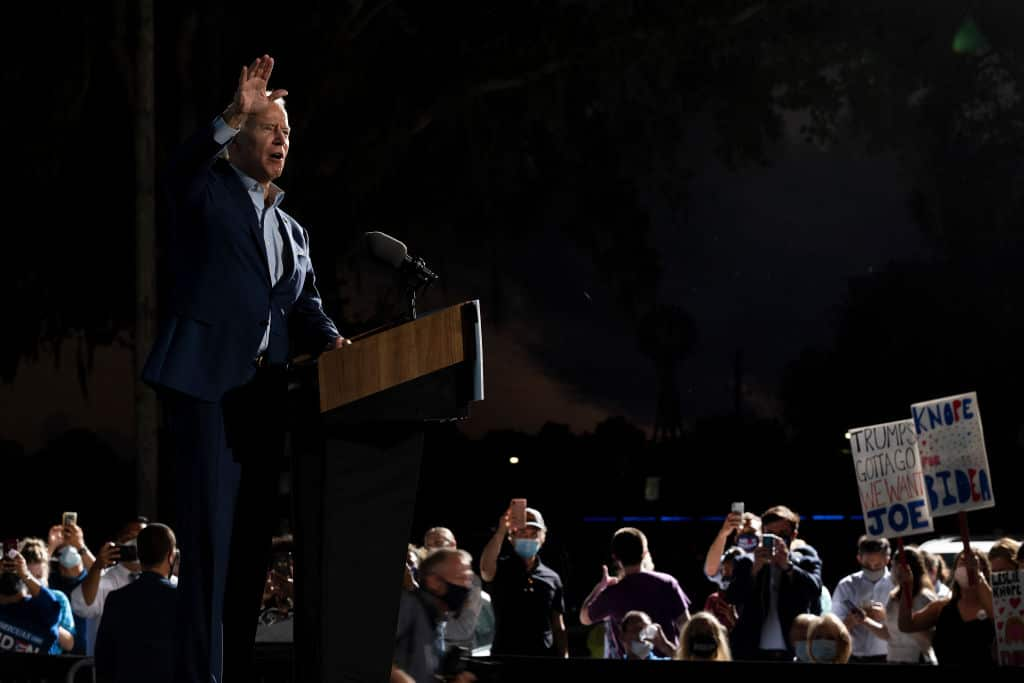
(909, 648)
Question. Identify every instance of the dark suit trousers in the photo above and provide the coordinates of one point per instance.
(228, 458)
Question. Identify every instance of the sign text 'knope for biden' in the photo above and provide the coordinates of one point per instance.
(952, 446)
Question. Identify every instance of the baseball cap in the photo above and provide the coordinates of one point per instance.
(535, 519)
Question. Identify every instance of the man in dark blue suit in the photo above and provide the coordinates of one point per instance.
(244, 300)
(135, 641)
(769, 590)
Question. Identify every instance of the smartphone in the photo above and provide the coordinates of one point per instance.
(128, 553)
(9, 545)
(517, 513)
(736, 507)
(69, 518)
(852, 607)
(768, 541)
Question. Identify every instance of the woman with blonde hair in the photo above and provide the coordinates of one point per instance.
(704, 638)
(829, 641)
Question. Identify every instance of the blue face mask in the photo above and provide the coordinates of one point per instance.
(824, 650)
(70, 558)
(802, 654)
(526, 548)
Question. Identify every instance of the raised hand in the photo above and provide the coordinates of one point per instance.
(55, 538)
(607, 579)
(733, 522)
(251, 96)
(108, 555)
(74, 536)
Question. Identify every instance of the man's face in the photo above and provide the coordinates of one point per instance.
(873, 561)
(456, 570)
(780, 527)
(439, 539)
(529, 532)
(130, 532)
(260, 149)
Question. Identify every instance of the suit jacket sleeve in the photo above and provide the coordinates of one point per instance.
(805, 578)
(190, 167)
(312, 328)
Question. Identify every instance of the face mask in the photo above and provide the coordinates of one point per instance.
(70, 558)
(961, 577)
(10, 584)
(456, 596)
(526, 548)
(873, 575)
(824, 650)
(641, 648)
(703, 646)
(747, 542)
(802, 655)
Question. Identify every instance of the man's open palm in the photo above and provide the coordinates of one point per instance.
(251, 96)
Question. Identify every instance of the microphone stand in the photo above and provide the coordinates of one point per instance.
(416, 277)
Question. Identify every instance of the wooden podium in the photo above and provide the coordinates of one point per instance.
(356, 444)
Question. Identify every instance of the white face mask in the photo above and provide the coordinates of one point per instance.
(641, 648)
(873, 575)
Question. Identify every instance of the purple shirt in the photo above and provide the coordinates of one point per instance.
(656, 593)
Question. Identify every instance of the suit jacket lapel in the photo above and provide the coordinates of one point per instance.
(243, 203)
(287, 246)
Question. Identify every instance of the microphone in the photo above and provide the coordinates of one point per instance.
(387, 249)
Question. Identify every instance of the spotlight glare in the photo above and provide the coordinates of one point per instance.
(513, 460)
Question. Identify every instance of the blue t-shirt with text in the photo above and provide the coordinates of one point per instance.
(30, 625)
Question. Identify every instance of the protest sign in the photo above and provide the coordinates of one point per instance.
(891, 482)
(1007, 596)
(952, 447)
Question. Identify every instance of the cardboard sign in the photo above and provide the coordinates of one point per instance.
(1007, 599)
(892, 490)
(952, 447)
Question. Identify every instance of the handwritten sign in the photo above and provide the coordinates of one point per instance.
(890, 478)
(952, 448)
(1007, 597)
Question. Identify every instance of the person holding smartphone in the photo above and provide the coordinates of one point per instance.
(771, 587)
(529, 605)
(108, 573)
(859, 600)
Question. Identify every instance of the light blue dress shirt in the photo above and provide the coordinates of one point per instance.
(273, 238)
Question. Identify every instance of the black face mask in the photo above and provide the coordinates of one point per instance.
(456, 596)
(11, 584)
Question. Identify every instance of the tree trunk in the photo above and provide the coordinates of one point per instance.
(146, 421)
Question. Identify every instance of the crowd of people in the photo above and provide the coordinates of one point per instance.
(904, 606)
(117, 605)
(770, 604)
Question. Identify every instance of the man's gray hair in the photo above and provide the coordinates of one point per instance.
(433, 562)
